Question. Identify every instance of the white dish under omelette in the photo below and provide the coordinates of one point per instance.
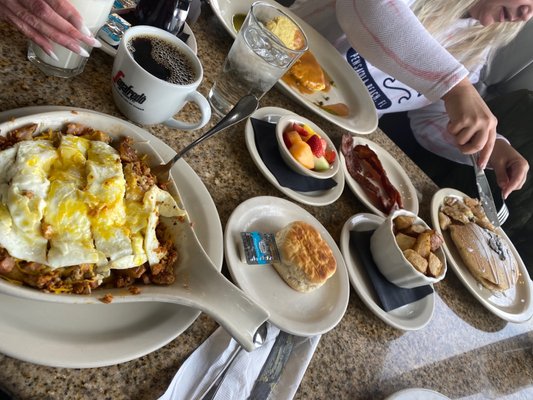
(50, 334)
(195, 273)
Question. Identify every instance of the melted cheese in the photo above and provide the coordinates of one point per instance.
(74, 205)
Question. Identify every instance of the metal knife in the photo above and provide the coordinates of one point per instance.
(485, 193)
(273, 366)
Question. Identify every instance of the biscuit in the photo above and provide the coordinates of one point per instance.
(306, 260)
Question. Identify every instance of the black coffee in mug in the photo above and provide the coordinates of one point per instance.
(162, 59)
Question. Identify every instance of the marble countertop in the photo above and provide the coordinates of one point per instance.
(465, 352)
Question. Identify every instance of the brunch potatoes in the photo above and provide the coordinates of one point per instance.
(407, 252)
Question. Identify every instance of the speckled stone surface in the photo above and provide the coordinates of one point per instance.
(465, 352)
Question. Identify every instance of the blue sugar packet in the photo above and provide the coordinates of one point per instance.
(113, 29)
(258, 248)
(124, 5)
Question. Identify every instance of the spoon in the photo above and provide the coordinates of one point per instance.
(211, 391)
(242, 110)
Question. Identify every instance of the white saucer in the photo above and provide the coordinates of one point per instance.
(97, 335)
(397, 176)
(316, 198)
(410, 317)
(301, 314)
(513, 305)
(191, 42)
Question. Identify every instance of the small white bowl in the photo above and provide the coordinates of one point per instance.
(288, 120)
(390, 260)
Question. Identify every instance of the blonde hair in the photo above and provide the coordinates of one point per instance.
(469, 45)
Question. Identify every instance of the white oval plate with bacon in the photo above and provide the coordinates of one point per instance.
(396, 176)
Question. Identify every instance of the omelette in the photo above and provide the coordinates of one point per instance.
(75, 214)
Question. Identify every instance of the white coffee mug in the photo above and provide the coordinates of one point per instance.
(148, 100)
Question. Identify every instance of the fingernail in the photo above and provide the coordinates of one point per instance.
(51, 54)
(83, 52)
(78, 50)
(86, 31)
(96, 43)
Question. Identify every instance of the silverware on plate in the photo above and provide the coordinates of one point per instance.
(485, 193)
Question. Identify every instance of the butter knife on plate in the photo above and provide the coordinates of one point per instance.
(485, 193)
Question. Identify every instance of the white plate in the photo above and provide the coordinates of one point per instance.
(417, 394)
(83, 336)
(301, 314)
(348, 89)
(316, 198)
(397, 176)
(513, 305)
(409, 317)
(191, 42)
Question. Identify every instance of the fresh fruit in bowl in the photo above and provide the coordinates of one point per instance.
(306, 148)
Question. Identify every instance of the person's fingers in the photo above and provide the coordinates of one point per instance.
(66, 10)
(486, 151)
(515, 178)
(43, 19)
(30, 33)
(71, 22)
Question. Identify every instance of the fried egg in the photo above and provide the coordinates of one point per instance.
(106, 187)
(67, 210)
(23, 188)
(157, 202)
(74, 205)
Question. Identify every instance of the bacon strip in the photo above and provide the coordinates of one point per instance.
(365, 167)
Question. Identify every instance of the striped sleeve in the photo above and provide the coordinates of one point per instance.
(388, 35)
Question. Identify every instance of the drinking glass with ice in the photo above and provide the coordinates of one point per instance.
(267, 45)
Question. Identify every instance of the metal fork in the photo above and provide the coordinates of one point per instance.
(242, 110)
(503, 213)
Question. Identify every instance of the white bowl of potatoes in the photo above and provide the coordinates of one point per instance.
(407, 251)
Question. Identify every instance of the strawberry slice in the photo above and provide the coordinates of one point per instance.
(330, 155)
(324, 143)
(316, 146)
(286, 140)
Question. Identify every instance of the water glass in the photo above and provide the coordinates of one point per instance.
(257, 58)
(68, 64)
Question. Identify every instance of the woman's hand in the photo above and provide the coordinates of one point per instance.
(43, 21)
(471, 122)
(509, 166)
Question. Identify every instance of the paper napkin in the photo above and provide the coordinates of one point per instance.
(202, 366)
(267, 147)
(390, 295)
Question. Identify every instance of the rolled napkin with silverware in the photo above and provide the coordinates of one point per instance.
(273, 370)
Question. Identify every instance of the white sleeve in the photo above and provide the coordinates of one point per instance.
(430, 129)
(388, 35)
